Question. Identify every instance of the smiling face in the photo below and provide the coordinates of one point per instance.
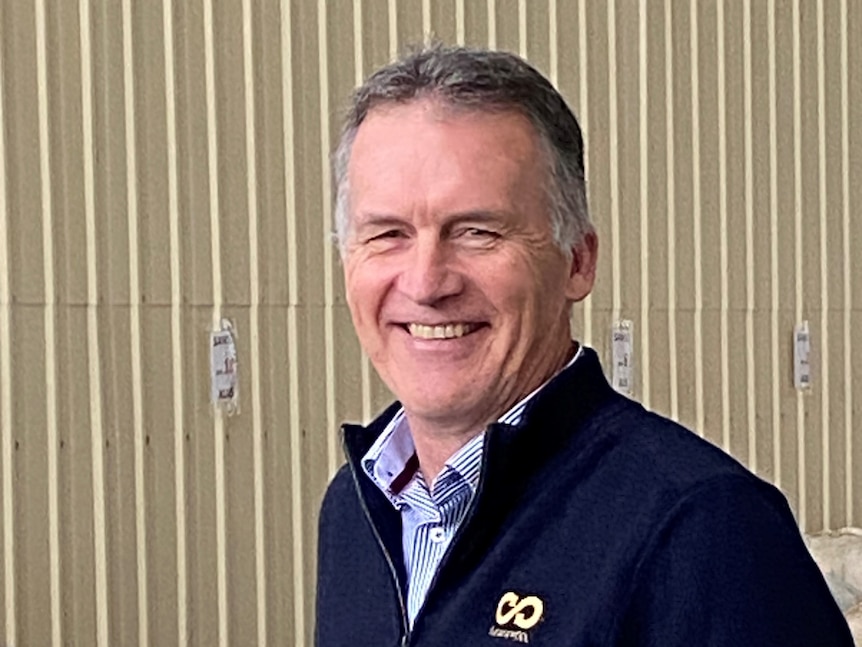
(459, 293)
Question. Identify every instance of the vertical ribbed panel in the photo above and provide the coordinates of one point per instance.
(164, 167)
(10, 609)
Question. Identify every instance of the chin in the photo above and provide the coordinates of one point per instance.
(438, 405)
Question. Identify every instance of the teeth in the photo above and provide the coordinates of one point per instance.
(449, 331)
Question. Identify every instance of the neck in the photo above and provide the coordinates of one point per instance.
(433, 452)
(436, 441)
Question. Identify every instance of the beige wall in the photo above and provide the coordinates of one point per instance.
(163, 165)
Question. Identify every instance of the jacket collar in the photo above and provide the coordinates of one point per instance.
(513, 457)
(551, 432)
(568, 398)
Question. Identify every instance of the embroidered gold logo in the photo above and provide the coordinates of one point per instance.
(524, 613)
(519, 613)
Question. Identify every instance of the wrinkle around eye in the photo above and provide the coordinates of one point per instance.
(478, 232)
(389, 234)
(478, 236)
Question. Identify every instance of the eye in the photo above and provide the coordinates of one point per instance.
(478, 234)
(388, 234)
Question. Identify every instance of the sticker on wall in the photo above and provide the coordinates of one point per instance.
(224, 377)
(621, 336)
(801, 361)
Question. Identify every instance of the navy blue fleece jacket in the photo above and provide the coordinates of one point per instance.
(595, 523)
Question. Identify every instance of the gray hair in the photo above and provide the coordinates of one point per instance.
(484, 81)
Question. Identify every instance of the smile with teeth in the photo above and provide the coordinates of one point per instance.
(447, 331)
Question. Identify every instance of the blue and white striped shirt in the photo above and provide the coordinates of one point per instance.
(430, 514)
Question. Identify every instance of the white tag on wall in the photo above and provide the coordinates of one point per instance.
(224, 377)
(801, 360)
(623, 369)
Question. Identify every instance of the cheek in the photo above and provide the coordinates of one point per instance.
(364, 291)
(520, 283)
(532, 297)
(358, 300)
(356, 295)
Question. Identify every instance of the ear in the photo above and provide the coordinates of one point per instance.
(582, 272)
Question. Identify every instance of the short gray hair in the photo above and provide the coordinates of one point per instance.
(484, 81)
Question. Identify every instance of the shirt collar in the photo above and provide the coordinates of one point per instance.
(391, 461)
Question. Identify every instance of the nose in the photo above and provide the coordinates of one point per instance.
(428, 275)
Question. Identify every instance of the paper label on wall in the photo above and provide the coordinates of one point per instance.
(621, 340)
(801, 360)
(224, 377)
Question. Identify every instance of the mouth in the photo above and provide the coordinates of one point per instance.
(442, 331)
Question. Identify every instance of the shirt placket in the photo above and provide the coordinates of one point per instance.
(423, 555)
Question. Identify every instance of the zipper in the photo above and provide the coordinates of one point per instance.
(405, 625)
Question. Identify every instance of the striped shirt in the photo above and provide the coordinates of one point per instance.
(430, 513)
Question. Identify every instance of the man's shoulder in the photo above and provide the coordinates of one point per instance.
(339, 486)
(340, 496)
(651, 452)
(580, 411)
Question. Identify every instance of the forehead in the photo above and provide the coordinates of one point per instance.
(429, 149)
(423, 117)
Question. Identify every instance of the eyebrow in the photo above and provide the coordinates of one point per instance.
(480, 216)
(378, 220)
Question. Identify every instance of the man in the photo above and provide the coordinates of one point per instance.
(511, 496)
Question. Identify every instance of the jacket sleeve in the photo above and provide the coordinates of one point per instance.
(728, 567)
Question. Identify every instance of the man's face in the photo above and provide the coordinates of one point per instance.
(458, 292)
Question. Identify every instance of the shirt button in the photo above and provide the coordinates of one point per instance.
(438, 535)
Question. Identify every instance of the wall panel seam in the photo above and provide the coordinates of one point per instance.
(49, 323)
(723, 235)
(135, 325)
(332, 446)
(773, 249)
(748, 110)
(671, 210)
(254, 320)
(359, 75)
(522, 28)
(296, 471)
(643, 113)
(613, 156)
(583, 101)
(217, 294)
(492, 23)
(178, 405)
(696, 199)
(97, 440)
(824, 270)
(802, 484)
(10, 575)
(848, 301)
(553, 44)
(392, 15)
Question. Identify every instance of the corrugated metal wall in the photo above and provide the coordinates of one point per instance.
(163, 165)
